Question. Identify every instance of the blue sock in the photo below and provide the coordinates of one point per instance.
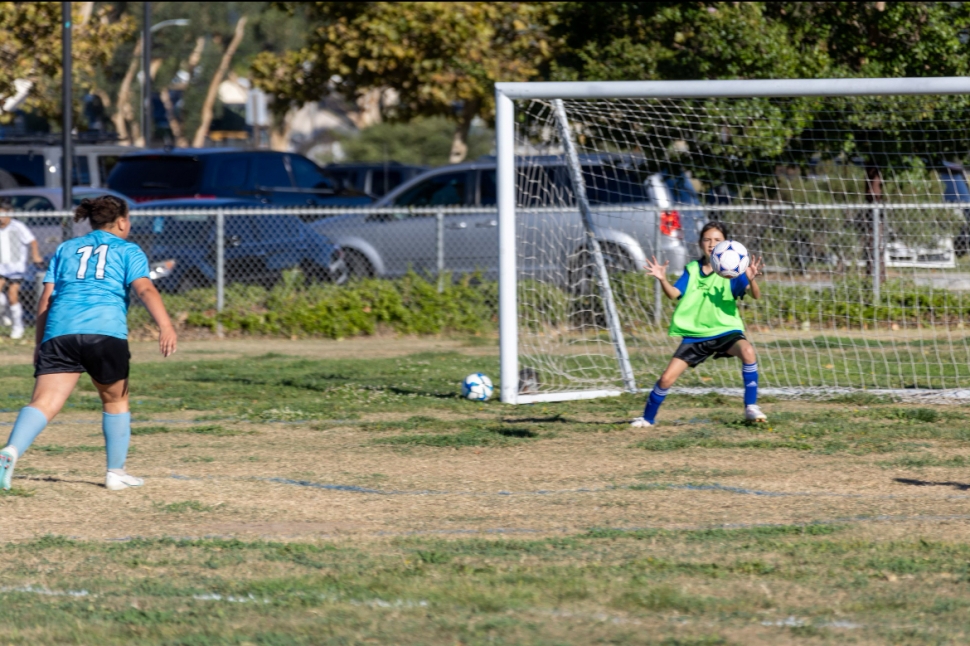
(749, 371)
(117, 435)
(30, 422)
(657, 396)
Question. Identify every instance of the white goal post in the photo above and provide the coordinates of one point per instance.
(861, 227)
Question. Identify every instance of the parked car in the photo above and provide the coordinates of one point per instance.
(258, 176)
(628, 204)
(956, 190)
(36, 162)
(181, 247)
(375, 179)
(49, 231)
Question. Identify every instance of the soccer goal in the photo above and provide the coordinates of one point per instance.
(852, 190)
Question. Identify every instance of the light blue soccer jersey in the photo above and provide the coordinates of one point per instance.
(91, 277)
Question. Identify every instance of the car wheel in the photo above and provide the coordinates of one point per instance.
(961, 243)
(358, 266)
(314, 273)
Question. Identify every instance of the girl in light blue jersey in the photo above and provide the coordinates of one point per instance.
(82, 326)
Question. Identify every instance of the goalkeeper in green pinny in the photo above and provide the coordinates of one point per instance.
(708, 322)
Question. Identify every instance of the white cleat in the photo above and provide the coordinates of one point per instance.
(640, 423)
(6, 321)
(17, 333)
(8, 458)
(753, 414)
(116, 482)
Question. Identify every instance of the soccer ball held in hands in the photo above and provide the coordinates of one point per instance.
(730, 259)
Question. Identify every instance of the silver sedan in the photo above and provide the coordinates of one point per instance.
(637, 215)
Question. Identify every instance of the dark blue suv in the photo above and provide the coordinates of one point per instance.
(181, 247)
(261, 176)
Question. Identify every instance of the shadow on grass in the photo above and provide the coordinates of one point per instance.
(421, 393)
(962, 486)
(99, 485)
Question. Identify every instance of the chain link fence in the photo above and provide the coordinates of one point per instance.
(342, 271)
(210, 260)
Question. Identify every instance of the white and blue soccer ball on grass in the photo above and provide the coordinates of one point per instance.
(730, 259)
(476, 387)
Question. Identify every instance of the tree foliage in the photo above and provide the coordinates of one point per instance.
(441, 58)
(30, 48)
(758, 40)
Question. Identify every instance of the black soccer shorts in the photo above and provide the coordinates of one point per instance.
(700, 351)
(105, 358)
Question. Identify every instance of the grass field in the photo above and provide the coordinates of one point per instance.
(319, 492)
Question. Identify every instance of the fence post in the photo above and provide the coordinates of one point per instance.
(440, 219)
(876, 256)
(657, 296)
(220, 268)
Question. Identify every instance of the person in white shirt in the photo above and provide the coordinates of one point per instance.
(16, 241)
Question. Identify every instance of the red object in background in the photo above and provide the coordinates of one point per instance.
(670, 223)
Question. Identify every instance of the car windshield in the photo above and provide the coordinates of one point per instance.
(155, 172)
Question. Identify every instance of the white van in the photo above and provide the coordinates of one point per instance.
(37, 163)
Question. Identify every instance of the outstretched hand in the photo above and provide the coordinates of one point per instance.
(655, 269)
(756, 268)
(167, 341)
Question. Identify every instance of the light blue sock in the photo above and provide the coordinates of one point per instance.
(750, 373)
(30, 422)
(657, 396)
(117, 435)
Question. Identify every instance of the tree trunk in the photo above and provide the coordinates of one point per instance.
(459, 144)
(123, 114)
(210, 99)
(279, 136)
(173, 121)
(195, 56)
(87, 9)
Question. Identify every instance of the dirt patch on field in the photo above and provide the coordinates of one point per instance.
(293, 480)
(399, 469)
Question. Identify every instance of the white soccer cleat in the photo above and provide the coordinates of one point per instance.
(117, 482)
(640, 423)
(17, 333)
(6, 321)
(753, 414)
(8, 458)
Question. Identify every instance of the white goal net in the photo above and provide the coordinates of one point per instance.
(858, 205)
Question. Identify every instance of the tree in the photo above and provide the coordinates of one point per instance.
(441, 58)
(30, 48)
(210, 97)
(895, 139)
(720, 40)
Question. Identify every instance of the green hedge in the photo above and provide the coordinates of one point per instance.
(410, 305)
